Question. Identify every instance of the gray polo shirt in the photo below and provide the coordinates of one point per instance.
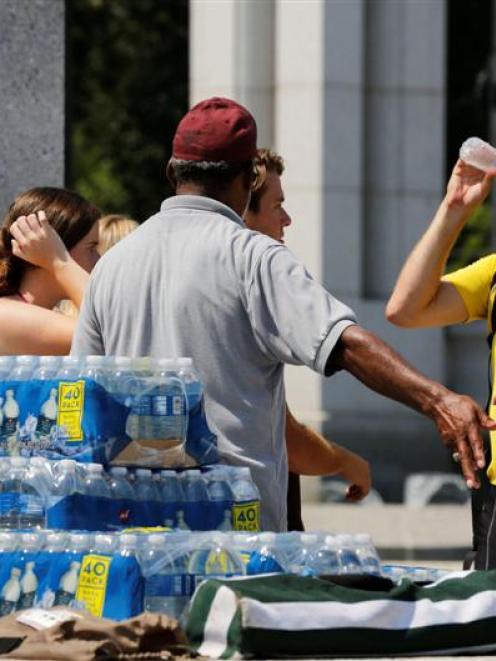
(194, 281)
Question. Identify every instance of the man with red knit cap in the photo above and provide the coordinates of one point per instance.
(194, 281)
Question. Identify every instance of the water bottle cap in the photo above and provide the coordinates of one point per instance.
(38, 461)
(308, 538)
(6, 360)
(168, 364)
(29, 538)
(71, 360)
(68, 463)
(95, 360)
(78, 538)
(103, 540)
(49, 360)
(143, 472)
(94, 468)
(344, 538)
(184, 361)
(26, 360)
(128, 539)
(363, 538)
(54, 537)
(122, 361)
(19, 461)
(330, 540)
(267, 537)
(156, 539)
(7, 539)
(168, 473)
(118, 470)
(193, 472)
(142, 363)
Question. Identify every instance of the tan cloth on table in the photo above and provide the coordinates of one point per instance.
(87, 638)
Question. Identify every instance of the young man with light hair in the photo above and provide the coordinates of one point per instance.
(309, 453)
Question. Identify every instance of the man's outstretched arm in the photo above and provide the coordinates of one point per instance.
(458, 418)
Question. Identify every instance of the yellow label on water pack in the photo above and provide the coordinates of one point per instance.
(70, 409)
(92, 583)
(246, 516)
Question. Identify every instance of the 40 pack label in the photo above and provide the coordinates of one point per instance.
(70, 409)
(246, 516)
(92, 584)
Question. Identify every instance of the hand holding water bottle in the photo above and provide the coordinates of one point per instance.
(472, 176)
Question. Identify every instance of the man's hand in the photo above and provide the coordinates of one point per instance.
(356, 471)
(459, 420)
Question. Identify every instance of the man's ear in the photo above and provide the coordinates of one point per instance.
(170, 174)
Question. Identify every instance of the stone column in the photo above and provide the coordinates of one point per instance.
(231, 54)
(32, 52)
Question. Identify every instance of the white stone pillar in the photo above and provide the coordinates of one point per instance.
(32, 96)
(231, 54)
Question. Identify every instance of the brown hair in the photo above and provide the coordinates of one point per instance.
(266, 161)
(113, 228)
(71, 216)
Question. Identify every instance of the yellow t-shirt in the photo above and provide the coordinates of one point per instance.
(476, 284)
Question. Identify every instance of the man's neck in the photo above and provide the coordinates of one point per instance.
(227, 197)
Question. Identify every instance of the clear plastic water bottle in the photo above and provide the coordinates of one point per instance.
(22, 504)
(195, 500)
(220, 498)
(47, 368)
(94, 483)
(40, 470)
(128, 545)
(147, 496)
(120, 386)
(79, 544)
(347, 553)
(24, 368)
(367, 555)
(267, 558)
(139, 425)
(170, 497)
(246, 500)
(95, 368)
(122, 496)
(478, 153)
(215, 557)
(164, 578)
(192, 382)
(169, 404)
(66, 479)
(298, 553)
(97, 496)
(323, 559)
(69, 369)
(106, 544)
(6, 367)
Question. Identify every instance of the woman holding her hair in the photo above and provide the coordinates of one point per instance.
(48, 246)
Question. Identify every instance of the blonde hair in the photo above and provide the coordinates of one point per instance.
(112, 228)
(265, 162)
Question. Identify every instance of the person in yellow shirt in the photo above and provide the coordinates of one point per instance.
(423, 297)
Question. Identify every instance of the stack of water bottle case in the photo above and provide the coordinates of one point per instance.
(94, 457)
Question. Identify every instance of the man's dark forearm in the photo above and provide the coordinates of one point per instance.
(378, 366)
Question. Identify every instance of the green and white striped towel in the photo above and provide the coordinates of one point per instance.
(292, 616)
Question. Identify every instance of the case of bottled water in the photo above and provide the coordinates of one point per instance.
(133, 411)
